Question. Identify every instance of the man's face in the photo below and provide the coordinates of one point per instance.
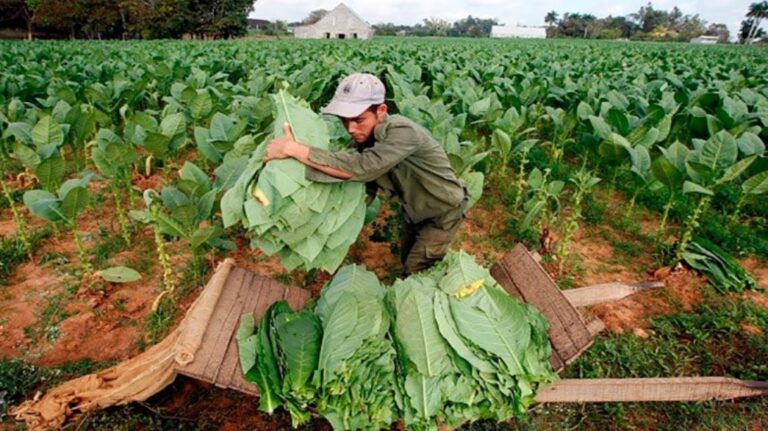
(360, 128)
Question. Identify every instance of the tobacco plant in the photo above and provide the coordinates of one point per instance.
(583, 182)
(64, 207)
(114, 158)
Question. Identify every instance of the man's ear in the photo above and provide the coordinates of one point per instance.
(381, 111)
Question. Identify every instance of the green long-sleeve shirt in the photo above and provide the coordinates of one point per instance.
(406, 161)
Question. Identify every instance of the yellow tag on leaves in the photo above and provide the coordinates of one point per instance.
(469, 289)
(260, 197)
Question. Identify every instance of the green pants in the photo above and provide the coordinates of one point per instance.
(424, 243)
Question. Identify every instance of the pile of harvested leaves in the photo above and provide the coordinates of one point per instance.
(445, 346)
(308, 224)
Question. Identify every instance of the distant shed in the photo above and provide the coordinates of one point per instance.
(340, 23)
(706, 40)
(517, 31)
(258, 24)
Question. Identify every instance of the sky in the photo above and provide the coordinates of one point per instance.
(509, 12)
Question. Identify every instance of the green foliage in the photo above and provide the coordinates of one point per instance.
(281, 358)
(455, 328)
(721, 270)
(325, 359)
(18, 378)
(13, 251)
(355, 376)
(308, 224)
(64, 207)
(708, 341)
(447, 345)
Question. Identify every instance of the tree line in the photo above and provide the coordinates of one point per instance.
(127, 19)
(203, 19)
(649, 23)
(465, 27)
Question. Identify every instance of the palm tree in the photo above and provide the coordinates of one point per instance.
(757, 11)
(551, 18)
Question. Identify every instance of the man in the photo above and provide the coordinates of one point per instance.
(400, 156)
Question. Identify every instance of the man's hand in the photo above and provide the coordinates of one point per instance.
(285, 147)
(282, 147)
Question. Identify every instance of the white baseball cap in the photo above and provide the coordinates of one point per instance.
(355, 94)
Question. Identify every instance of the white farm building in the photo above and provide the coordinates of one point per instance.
(517, 31)
(340, 23)
(706, 40)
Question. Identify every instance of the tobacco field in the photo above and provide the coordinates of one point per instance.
(129, 169)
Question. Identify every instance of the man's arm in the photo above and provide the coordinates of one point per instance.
(285, 147)
(365, 166)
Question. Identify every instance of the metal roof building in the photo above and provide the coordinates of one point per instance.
(706, 40)
(340, 23)
(517, 31)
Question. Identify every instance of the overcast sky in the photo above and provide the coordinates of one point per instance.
(509, 12)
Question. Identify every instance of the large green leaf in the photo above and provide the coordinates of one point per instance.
(228, 172)
(171, 226)
(689, 187)
(615, 148)
(425, 393)
(111, 157)
(677, 154)
(191, 172)
(736, 169)
(157, 144)
(601, 128)
(461, 274)
(50, 172)
(450, 332)
(174, 198)
(750, 144)
(266, 373)
(119, 274)
(173, 125)
(348, 279)
(641, 162)
(27, 156)
(43, 204)
(340, 336)
(417, 329)
(220, 126)
(21, 131)
(233, 200)
(648, 139)
(618, 120)
(74, 201)
(205, 146)
(584, 111)
(665, 172)
(757, 184)
(201, 105)
(299, 336)
(205, 206)
(500, 329)
(501, 142)
(204, 235)
(474, 182)
(720, 151)
(47, 132)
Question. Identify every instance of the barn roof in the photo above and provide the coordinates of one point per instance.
(341, 9)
